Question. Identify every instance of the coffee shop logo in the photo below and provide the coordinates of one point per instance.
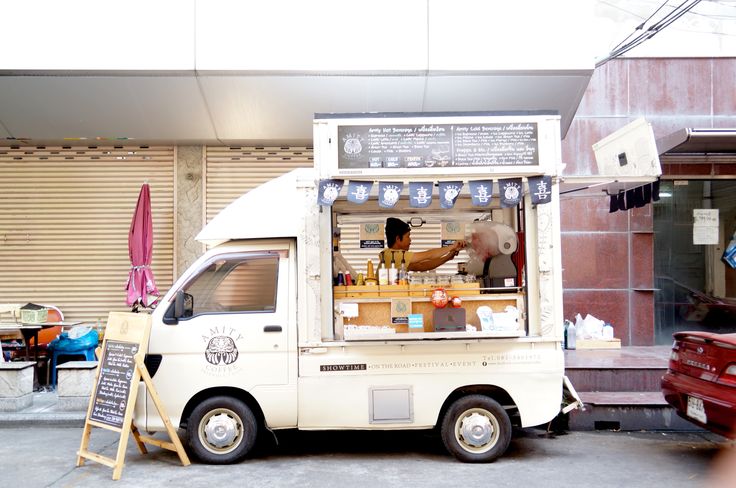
(512, 191)
(352, 145)
(221, 350)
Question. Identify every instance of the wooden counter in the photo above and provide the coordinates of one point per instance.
(377, 312)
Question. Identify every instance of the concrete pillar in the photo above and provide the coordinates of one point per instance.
(75, 385)
(16, 385)
(189, 206)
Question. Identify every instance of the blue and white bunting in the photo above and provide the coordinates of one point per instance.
(510, 191)
(540, 188)
(481, 192)
(329, 190)
(420, 194)
(359, 191)
(449, 191)
(389, 193)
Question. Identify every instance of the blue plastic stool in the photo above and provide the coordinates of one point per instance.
(88, 353)
(63, 346)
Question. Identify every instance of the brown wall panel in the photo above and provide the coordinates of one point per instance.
(609, 306)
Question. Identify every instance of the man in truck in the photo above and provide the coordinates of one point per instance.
(398, 239)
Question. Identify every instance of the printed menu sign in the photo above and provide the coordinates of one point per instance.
(113, 386)
(438, 145)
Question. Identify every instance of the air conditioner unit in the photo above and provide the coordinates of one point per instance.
(629, 152)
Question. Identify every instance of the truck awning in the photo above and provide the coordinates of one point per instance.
(698, 141)
(610, 185)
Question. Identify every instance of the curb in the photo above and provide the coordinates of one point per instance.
(50, 419)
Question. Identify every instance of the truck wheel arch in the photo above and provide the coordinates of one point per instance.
(495, 392)
(237, 393)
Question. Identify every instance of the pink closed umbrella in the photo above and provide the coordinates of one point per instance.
(140, 285)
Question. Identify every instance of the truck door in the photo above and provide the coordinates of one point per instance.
(238, 320)
(229, 326)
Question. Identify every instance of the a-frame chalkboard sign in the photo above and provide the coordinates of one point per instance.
(111, 405)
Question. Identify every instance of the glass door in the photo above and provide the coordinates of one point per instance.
(696, 288)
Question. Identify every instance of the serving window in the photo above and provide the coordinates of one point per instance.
(489, 294)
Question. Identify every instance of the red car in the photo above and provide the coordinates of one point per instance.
(701, 380)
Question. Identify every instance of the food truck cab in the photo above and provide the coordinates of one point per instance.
(259, 333)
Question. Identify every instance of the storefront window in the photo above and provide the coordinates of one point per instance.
(696, 288)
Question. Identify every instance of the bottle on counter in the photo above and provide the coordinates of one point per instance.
(403, 280)
(382, 271)
(370, 278)
(393, 271)
(348, 278)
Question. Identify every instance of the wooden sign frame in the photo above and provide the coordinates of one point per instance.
(112, 401)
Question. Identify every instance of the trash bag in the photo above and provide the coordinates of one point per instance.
(76, 339)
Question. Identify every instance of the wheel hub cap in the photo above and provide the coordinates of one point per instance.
(476, 430)
(221, 430)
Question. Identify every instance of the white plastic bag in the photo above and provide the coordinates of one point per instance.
(507, 320)
(590, 328)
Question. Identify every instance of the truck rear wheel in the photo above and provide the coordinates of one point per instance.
(476, 429)
(221, 430)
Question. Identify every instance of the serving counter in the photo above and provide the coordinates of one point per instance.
(375, 317)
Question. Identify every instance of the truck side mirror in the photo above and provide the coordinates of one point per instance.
(179, 304)
(182, 307)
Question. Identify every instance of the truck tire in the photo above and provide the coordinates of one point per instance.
(476, 429)
(221, 430)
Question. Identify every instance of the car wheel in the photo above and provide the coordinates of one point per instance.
(221, 430)
(476, 429)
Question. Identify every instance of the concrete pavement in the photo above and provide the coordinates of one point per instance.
(38, 449)
(45, 456)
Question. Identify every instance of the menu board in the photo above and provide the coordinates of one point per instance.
(438, 145)
(111, 394)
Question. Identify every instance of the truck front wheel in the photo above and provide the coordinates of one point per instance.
(476, 429)
(221, 430)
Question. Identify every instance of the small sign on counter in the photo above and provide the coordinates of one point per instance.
(416, 322)
(400, 310)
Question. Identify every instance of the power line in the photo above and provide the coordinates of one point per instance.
(652, 31)
(640, 26)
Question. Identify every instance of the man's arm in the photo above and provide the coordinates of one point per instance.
(432, 258)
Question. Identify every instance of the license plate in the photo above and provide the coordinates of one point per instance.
(696, 410)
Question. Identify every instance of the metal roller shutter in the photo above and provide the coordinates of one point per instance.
(233, 171)
(65, 213)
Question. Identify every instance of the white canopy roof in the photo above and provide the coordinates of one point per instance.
(269, 210)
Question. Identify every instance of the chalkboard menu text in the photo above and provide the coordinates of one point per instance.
(438, 145)
(113, 385)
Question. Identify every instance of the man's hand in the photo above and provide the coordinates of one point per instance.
(457, 246)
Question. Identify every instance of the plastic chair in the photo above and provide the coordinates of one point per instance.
(83, 346)
(47, 335)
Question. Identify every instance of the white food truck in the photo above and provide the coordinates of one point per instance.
(258, 335)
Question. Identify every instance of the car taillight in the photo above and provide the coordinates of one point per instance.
(674, 364)
(728, 377)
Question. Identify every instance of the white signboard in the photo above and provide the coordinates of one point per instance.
(705, 226)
